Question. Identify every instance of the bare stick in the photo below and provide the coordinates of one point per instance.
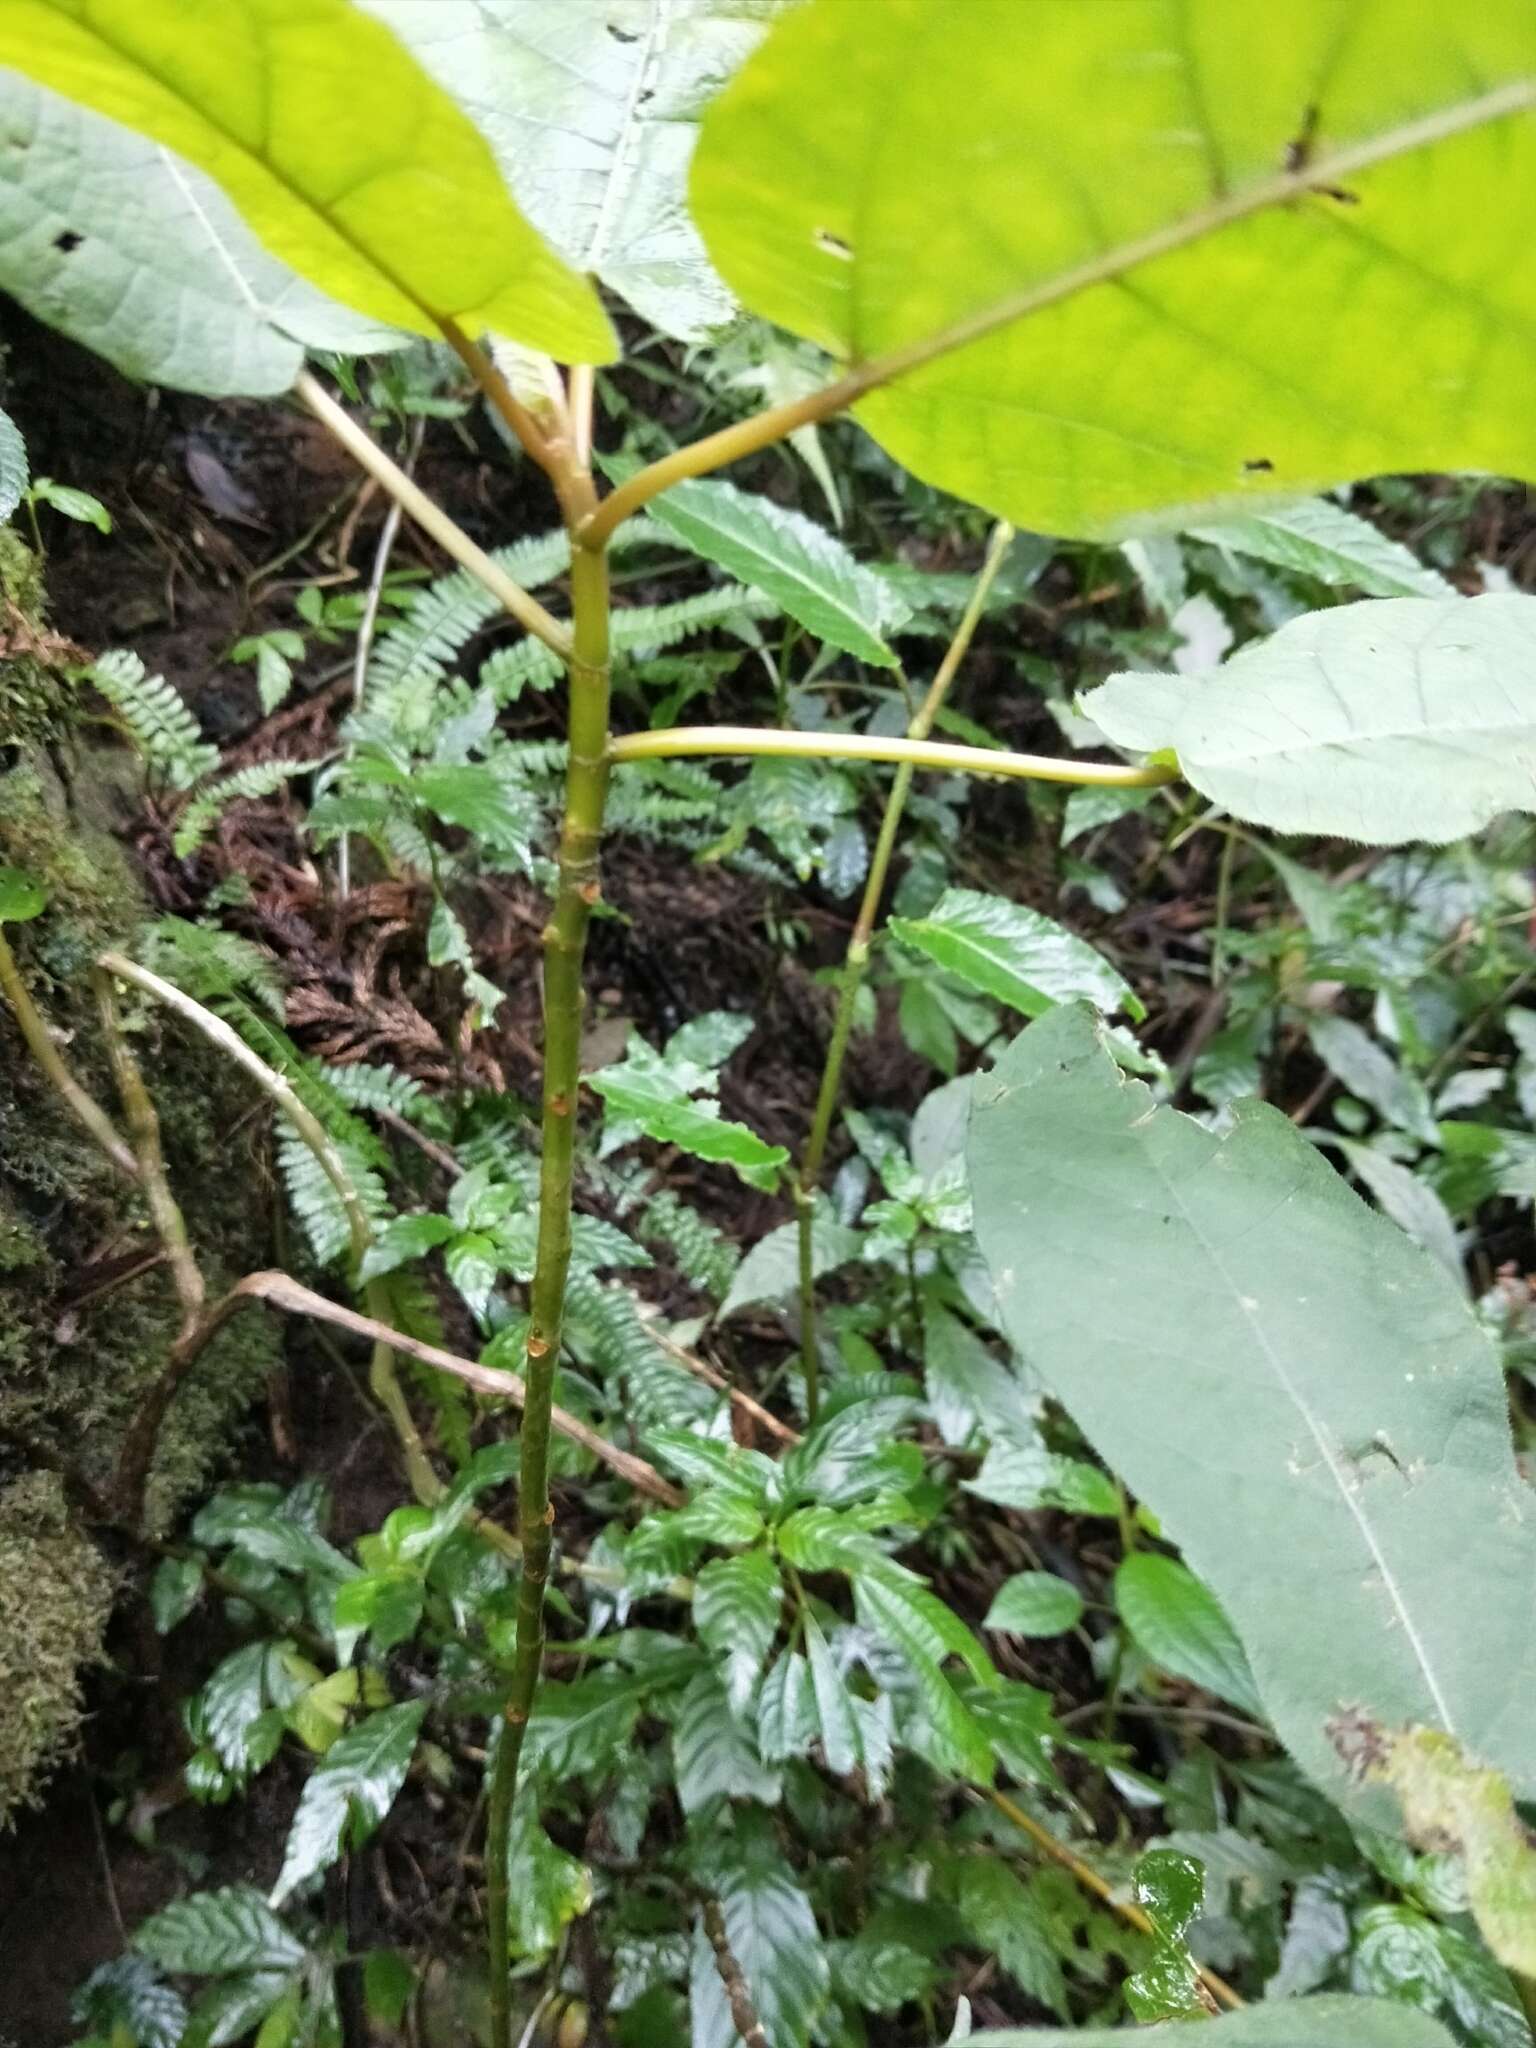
(853, 746)
(89, 1115)
(737, 1996)
(430, 517)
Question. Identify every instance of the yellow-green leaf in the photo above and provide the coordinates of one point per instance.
(1197, 254)
(341, 153)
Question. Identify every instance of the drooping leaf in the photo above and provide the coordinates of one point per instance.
(773, 1937)
(1389, 720)
(548, 1888)
(715, 1757)
(13, 455)
(807, 572)
(1319, 539)
(1411, 1202)
(339, 151)
(212, 1933)
(1327, 2022)
(1368, 1070)
(349, 1792)
(591, 107)
(583, 1725)
(1001, 1915)
(174, 1591)
(1363, 1525)
(1118, 173)
(660, 1096)
(1009, 951)
(111, 239)
(736, 1607)
(1178, 1625)
(771, 1270)
(127, 1994)
(1035, 1604)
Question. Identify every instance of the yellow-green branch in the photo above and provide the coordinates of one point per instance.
(916, 753)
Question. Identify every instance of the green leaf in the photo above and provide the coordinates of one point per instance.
(1320, 540)
(214, 1933)
(772, 1933)
(584, 1725)
(1117, 175)
(1411, 1202)
(655, 1093)
(736, 1606)
(1363, 1524)
(21, 897)
(1011, 952)
(771, 1270)
(349, 1792)
(403, 1239)
(70, 503)
(548, 1889)
(1179, 1626)
(342, 156)
(162, 278)
(840, 1744)
(591, 107)
(714, 1756)
(174, 1590)
(1388, 721)
(1002, 1915)
(126, 1993)
(1035, 1604)
(385, 1605)
(1454, 1806)
(13, 454)
(808, 573)
(1328, 2022)
(787, 1721)
(1368, 1070)
(1028, 1475)
(388, 1985)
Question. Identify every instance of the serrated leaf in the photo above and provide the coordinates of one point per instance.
(736, 1607)
(1013, 953)
(1180, 1627)
(1035, 1604)
(1331, 2021)
(809, 574)
(349, 1792)
(773, 1937)
(22, 897)
(212, 1934)
(1095, 212)
(1392, 720)
(1320, 540)
(1360, 1408)
(336, 147)
(162, 277)
(1000, 1914)
(592, 108)
(715, 1758)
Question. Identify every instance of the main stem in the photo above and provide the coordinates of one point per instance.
(565, 938)
(856, 961)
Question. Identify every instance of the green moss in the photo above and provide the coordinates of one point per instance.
(85, 1321)
(55, 1598)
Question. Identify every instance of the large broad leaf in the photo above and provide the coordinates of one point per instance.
(1405, 719)
(122, 246)
(592, 108)
(809, 575)
(1014, 953)
(1299, 1391)
(342, 155)
(1205, 252)
(1287, 2023)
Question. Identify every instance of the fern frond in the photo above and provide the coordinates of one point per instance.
(163, 729)
(210, 964)
(640, 632)
(446, 616)
(373, 1088)
(316, 1203)
(261, 779)
(706, 1256)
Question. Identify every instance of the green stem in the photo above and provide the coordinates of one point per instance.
(89, 1115)
(565, 937)
(856, 960)
(908, 753)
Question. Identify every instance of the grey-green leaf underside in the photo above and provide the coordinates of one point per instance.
(592, 108)
(1403, 719)
(1300, 1392)
(125, 248)
(1329, 2022)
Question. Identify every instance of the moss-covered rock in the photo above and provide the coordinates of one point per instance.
(87, 1312)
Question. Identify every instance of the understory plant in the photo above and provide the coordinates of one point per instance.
(1107, 271)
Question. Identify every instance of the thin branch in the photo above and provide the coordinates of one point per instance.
(278, 1291)
(737, 1996)
(89, 1115)
(144, 1130)
(552, 447)
(368, 627)
(1286, 188)
(452, 539)
(848, 746)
